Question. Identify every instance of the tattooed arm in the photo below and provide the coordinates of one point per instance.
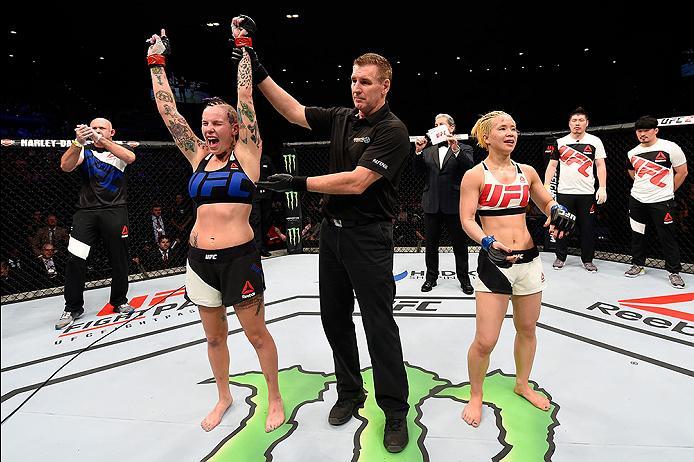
(249, 135)
(189, 144)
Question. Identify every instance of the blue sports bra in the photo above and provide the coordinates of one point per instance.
(229, 184)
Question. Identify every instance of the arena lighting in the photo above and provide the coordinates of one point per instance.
(520, 53)
(586, 49)
(284, 70)
(458, 58)
(212, 24)
(292, 16)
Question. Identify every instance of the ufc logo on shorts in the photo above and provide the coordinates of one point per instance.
(212, 256)
(645, 167)
(501, 195)
(570, 157)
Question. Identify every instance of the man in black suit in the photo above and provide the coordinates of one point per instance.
(443, 166)
(164, 256)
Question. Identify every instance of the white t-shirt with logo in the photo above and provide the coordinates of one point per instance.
(653, 175)
(576, 159)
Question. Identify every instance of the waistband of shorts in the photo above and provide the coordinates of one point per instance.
(528, 255)
(221, 254)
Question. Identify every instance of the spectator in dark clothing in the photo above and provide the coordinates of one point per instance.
(51, 234)
(164, 256)
(181, 215)
(49, 268)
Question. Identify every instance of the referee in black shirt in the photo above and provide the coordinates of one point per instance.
(368, 150)
(102, 213)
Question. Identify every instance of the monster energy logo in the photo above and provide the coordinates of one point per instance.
(290, 162)
(294, 236)
(292, 199)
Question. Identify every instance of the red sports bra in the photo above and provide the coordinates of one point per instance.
(497, 198)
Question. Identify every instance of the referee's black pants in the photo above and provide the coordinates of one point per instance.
(88, 225)
(660, 214)
(580, 205)
(433, 225)
(359, 260)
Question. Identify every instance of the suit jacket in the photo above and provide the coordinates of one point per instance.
(442, 183)
(154, 260)
(60, 238)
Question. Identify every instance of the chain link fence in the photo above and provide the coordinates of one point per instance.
(38, 201)
(612, 231)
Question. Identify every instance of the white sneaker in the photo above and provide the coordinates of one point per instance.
(558, 264)
(676, 281)
(67, 318)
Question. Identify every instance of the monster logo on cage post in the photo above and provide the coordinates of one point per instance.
(294, 235)
(289, 156)
(292, 200)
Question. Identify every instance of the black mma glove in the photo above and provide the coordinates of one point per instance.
(158, 51)
(496, 256)
(245, 22)
(283, 182)
(562, 219)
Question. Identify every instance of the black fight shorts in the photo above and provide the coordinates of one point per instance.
(224, 276)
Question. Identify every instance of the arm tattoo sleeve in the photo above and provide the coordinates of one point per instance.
(165, 96)
(181, 133)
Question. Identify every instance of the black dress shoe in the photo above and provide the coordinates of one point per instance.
(395, 436)
(467, 287)
(344, 409)
(428, 285)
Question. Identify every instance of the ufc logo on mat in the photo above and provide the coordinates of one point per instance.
(570, 156)
(645, 167)
(501, 195)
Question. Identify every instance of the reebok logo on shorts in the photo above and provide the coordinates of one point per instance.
(124, 232)
(248, 290)
(668, 219)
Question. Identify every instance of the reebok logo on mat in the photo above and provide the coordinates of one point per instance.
(657, 305)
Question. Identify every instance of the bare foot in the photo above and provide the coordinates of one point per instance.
(472, 413)
(536, 399)
(214, 417)
(275, 415)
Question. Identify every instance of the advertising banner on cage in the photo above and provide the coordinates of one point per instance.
(292, 205)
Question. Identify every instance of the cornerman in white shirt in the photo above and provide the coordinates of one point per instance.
(577, 155)
(658, 167)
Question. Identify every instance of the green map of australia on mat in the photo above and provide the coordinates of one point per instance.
(525, 432)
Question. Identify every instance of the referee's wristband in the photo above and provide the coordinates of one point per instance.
(77, 143)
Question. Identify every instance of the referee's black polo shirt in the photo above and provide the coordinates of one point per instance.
(379, 142)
